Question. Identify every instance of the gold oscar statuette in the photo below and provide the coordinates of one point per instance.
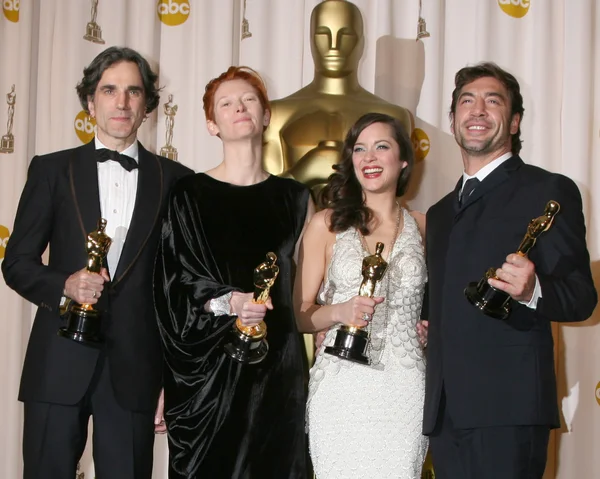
(492, 301)
(248, 344)
(93, 32)
(83, 321)
(7, 142)
(351, 341)
(246, 33)
(169, 151)
(307, 128)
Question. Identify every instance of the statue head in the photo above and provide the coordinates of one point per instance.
(336, 31)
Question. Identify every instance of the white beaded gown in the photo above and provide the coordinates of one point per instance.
(364, 422)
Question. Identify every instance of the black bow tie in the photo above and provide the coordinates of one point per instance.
(127, 162)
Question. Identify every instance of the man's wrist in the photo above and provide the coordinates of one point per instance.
(535, 296)
(65, 304)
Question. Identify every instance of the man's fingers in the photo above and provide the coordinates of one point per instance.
(104, 274)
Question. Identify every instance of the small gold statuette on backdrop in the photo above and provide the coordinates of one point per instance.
(492, 301)
(7, 142)
(83, 321)
(248, 344)
(351, 342)
(93, 32)
(246, 33)
(169, 151)
(421, 25)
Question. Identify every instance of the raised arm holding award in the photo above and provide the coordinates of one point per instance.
(351, 342)
(248, 344)
(83, 321)
(492, 301)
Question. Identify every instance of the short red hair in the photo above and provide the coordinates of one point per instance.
(234, 73)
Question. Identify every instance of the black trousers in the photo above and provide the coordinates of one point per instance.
(511, 452)
(54, 435)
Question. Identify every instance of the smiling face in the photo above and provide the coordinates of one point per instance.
(238, 112)
(482, 123)
(376, 159)
(118, 105)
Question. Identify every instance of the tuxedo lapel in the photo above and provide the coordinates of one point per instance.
(456, 195)
(145, 213)
(83, 174)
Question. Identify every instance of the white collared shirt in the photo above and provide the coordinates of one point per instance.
(486, 170)
(480, 175)
(117, 188)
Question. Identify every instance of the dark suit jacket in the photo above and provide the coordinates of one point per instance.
(495, 372)
(59, 206)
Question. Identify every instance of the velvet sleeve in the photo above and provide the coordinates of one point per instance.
(185, 278)
(198, 379)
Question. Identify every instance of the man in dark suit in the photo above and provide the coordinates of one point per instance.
(65, 382)
(491, 389)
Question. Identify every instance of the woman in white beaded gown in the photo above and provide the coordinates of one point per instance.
(364, 421)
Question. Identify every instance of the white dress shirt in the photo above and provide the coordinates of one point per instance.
(480, 175)
(486, 170)
(118, 188)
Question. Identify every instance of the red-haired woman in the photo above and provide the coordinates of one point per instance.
(226, 419)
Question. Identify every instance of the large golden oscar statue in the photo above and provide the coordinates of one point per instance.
(308, 127)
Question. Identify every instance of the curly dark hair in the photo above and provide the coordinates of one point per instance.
(343, 193)
(467, 75)
(92, 74)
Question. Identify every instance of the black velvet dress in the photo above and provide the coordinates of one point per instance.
(228, 420)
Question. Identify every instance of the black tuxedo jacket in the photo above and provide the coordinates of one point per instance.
(59, 206)
(495, 372)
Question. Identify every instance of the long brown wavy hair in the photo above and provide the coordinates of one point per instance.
(343, 193)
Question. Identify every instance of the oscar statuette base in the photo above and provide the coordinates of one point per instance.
(491, 301)
(169, 152)
(83, 326)
(93, 33)
(246, 349)
(7, 144)
(351, 344)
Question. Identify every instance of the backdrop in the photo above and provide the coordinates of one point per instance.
(552, 46)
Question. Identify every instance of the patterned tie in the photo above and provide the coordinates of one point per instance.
(468, 188)
(127, 162)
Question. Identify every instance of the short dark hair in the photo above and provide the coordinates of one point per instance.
(343, 193)
(469, 74)
(109, 57)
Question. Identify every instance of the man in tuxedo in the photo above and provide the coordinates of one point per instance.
(65, 382)
(491, 389)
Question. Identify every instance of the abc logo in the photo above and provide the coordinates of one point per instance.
(597, 391)
(4, 234)
(11, 9)
(85, 127)
(515, 8)
(420, 142)
(173, 12)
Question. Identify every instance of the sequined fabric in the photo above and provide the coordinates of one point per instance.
(365, 421)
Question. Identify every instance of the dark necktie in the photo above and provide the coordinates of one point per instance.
(468, 188)
(127, 162)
